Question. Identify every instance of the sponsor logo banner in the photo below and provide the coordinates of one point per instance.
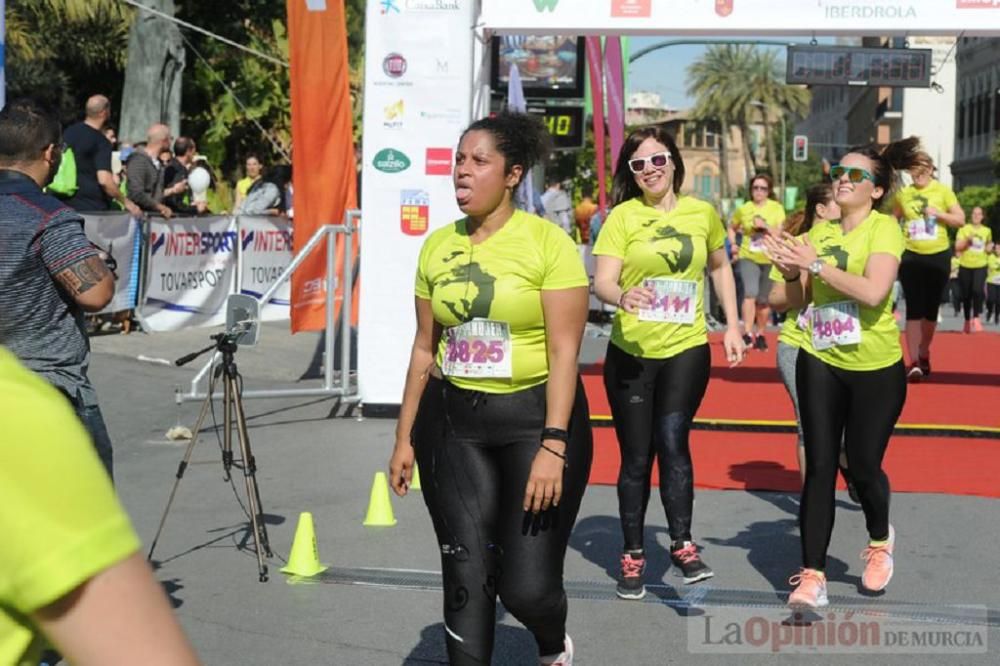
(265, 252)
(117, 235)
(414, 212)
(439, 162)
(390, 160)
(631, 8)
(192, 266)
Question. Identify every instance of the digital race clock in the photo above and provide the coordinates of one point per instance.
(565, 124)
(851, 65)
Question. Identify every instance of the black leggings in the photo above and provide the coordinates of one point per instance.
(653, 402)
(924, 277)
(993, 301)
(475, 452)
(973, 284)
(859, 408)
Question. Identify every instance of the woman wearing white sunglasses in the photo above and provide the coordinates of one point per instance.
(651, 259)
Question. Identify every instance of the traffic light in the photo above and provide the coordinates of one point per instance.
(800, 148)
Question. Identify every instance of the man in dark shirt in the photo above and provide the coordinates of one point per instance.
(175, 175)
(92, 151)
(50, 274)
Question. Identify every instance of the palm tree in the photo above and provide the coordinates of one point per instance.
(717, 81)
(61, 51)
(766, 85)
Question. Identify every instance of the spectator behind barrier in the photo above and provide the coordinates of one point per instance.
(267, 196)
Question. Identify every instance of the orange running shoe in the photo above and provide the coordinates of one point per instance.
(878, 564)
(810, 590)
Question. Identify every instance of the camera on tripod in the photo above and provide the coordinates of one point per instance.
(242, 329)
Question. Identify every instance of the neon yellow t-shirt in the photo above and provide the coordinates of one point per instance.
(654, 244)
(499, 279)
(791, 332)
(879, 346)
(974, 256)
(924, 236)
(752, 247)
(59, 518)
(243, 185)
(993, 269)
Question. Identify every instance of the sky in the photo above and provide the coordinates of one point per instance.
(665, 71)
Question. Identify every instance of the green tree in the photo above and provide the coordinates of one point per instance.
(63, 51)
(717, 82)
(251, 113)
(767, 86)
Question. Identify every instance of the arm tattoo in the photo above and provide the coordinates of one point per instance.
(82, 276)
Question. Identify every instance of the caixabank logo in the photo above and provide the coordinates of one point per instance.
(546, 5)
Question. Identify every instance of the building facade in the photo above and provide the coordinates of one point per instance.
(977, 110)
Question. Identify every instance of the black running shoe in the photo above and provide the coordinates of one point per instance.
(760, 344)
(925, 365)
(748, 340)
(914, 374)
(630, 584)
(685, 557)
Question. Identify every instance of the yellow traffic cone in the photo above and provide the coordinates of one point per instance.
(304, 558)
(415, 478)
(379, 505)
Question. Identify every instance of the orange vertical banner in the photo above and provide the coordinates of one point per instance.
(323, 172)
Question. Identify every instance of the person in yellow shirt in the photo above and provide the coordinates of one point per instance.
(972, 241)
(926, 209)
(70, 571)
(993, 283)
(754, 220)
(954, 292)
(820, 206)
(254, 171)
(850, 376)
(493, 408)
(652, 255)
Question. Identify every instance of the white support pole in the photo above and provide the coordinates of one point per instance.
(330, 232)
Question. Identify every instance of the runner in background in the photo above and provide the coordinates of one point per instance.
(993, 283)
(754, 220)
(651, 260)
(926, 209)
(850, 377)
(820, 207)
(953, 292)
(494, 410)
(972, 241)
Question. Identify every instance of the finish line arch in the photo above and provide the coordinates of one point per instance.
(422, 89)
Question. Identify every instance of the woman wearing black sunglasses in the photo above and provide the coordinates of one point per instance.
(926, 208)
(652, 254)
(850, 379)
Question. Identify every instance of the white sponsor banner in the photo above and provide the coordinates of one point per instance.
(754, 17)
(417, 102)
(116, 234)
(191, 270)
(265, 252)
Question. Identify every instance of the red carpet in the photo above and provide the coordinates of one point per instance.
(964, 390)
(762, 461)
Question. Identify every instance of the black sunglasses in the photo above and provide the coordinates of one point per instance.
(658, 160)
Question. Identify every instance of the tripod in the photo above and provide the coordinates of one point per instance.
(225, 343)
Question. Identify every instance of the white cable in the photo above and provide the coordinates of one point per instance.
(189, 26)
